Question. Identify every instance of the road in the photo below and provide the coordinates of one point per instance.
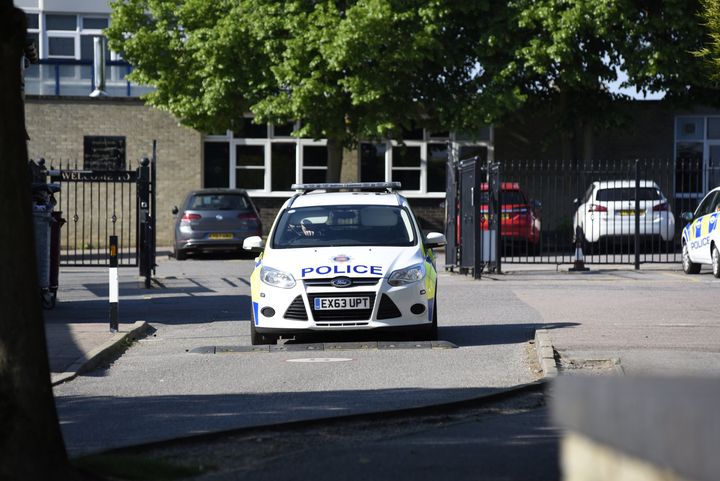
(159, 389)
(656, 320)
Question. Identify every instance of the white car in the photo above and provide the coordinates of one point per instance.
(607, 212)
(344, 257)
(701, 236)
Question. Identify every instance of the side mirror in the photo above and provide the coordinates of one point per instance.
(687, 216)
(575, 201)
(435, 239)
(254, 244)
(175, 210)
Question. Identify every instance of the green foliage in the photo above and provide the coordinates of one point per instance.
(711, 51)
(370, 68)
(561, 54)
(349, 70)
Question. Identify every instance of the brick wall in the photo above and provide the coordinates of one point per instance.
(56, 126)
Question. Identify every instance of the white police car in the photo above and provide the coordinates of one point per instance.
(701, 236)
(344, 257)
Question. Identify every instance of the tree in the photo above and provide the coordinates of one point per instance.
(558, 56)
(711, 51)
(348, 70)
(31, 446)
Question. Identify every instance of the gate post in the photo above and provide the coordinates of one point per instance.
(495, 212)
(637, 214)
(143, 192)
(452, 212)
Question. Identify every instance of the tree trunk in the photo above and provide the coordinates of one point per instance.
(31, 445)
(335, 157)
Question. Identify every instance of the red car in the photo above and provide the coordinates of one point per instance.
(520, 221)
(520, 217)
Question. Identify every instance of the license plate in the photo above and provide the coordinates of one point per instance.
(631, 213)
(220, 236)
(502, 217)
(332, 303)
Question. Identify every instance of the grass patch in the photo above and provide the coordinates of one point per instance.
(132, 467)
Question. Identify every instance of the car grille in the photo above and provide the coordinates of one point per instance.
(387, 308)
(296, 311)
(342, 314)
(356, 281)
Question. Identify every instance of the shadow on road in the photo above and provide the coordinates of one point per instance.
(494, 334)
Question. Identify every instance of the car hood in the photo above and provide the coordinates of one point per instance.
(329, 262)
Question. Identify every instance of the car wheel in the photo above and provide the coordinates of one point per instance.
(689, 267)
(259, 339)
(716, 262)
(430, 333)
(180, 255)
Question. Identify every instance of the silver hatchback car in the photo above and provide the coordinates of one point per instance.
(214, 220)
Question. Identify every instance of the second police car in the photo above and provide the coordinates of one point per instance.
(344, 257)
(701, 236)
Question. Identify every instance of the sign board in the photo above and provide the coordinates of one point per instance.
(93, 176)
(103, 152)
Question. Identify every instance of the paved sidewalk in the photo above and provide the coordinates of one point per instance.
(78, 328)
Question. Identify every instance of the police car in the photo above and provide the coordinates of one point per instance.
(701, 236)
(342, 257)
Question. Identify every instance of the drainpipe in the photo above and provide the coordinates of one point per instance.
(99, 67)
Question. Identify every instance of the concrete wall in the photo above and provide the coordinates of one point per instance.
(56, 126)
(644, 429)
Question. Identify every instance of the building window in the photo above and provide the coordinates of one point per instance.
(421, 165)
(215, 164)
(60, 22)
(61, 47)
(283, 160)
(406, 166)
(250, 167)
(267, 160)
(372, 162)
(697, 146)
(314, 164)
(437, 157)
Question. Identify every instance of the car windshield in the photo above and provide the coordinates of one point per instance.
(628, 193)
(219, 202)
(344, 225)
(508, 197)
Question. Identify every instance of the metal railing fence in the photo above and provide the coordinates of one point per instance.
(627, 211)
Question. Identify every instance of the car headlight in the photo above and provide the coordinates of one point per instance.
(276, 278)
(408, 275)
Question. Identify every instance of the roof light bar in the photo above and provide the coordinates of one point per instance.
(366, 186)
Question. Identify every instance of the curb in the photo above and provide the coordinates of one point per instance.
(105, 353)
(545, 353)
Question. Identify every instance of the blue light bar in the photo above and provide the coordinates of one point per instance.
(368, 186)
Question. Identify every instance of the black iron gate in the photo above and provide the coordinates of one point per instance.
(98, 204)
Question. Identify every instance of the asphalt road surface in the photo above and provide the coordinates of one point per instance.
(159, 389)
(654, 321)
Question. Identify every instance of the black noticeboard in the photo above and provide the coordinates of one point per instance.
(103, 152)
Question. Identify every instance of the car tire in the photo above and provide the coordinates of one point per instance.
(716, 261)
(259, 339)
(689, 267)
(430, 333)
(180, 255)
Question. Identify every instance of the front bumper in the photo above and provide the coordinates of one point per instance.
(294, 310)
